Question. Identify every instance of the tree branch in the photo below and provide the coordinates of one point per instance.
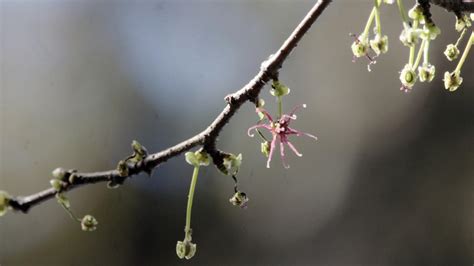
(207, 138)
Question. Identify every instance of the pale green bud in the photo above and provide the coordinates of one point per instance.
(463, 22)
(59, 173)
(431, 31)
(4, 202)
(408, 77)
(231, 163)
(278, 89)
(451, 52)
(198, 158)
(452, 81)
(63, 200)
(89, 223)
(122, 168)
(360, 47)
(57, 184)
(416, 13)
(426, 72)
(185, 249)
(379, 44)
(409, 37)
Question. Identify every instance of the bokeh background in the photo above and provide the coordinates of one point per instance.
(390, 182)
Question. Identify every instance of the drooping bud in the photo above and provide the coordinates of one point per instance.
(462, 22)
(452, 81)
(409, 37)
(431, 31)
(4, 202)
(416, 13)
(408, 77)
(379, 44)
(239, 199)
(231, 163)
(360, 47)
(426, 72)
(279, 89)
(139, 151)
(185, 249)
(451, 52)
(63, 200)
(89, 223)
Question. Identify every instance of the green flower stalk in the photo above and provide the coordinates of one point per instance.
(186, 249)
(453, 80)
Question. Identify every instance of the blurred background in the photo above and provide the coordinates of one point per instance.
(390, 181)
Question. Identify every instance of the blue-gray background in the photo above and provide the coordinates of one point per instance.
(390, 182)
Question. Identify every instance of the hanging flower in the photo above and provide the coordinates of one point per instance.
(280, 130)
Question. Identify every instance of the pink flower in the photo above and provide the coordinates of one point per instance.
(280, 130)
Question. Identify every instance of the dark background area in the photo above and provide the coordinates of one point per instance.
(390, 181)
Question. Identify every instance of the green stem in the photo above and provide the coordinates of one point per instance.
(369, 22)
(420, 52)
(71, 214)
(413, 48)
(280, 109)
(261, 135)
(187, 229)
(403, 15)
(460, 37)
(377, 17)
(426, 56)
(465, 53)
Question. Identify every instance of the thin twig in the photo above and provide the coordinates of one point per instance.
(207, 138)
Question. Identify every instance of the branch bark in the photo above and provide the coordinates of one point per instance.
(207, 138)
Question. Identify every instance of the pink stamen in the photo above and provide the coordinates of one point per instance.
(272, 148)
(299, 133)
(255, 127)
(294, 149)
(282, 155)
